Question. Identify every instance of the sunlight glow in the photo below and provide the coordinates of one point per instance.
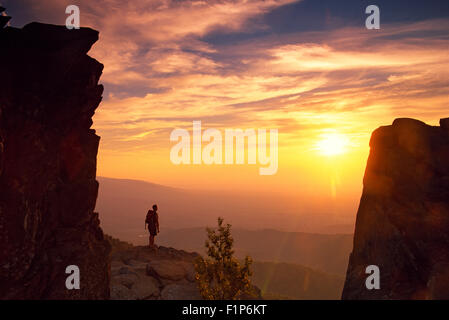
(332, 144)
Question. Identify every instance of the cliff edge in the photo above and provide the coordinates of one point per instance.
(48, 94)
(402, 222)
(139, 273)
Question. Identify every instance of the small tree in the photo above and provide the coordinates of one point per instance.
(220, 276)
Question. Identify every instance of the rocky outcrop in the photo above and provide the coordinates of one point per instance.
(403, 219)
(48, 94)
(141, 273)
(138, 273)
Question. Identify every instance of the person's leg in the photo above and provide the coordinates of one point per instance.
(151, 241)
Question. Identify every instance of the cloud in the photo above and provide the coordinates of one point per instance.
(300, 83)
(161, 72)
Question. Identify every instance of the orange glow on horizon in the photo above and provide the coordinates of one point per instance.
(325, 93)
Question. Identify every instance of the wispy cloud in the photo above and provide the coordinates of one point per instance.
(161, 71)
(301, 82)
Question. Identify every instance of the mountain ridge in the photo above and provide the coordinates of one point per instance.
(123, 202)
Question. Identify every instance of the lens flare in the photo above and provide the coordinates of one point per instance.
(332, 144)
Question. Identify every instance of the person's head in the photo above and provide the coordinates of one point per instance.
(154, 207)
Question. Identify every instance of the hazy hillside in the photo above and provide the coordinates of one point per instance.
(292, 281)
(122, 205)
(329, 253)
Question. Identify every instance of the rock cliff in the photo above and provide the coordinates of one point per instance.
(48, 94)
(403, 219)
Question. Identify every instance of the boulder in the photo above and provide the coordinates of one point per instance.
(167, 269)
(146, 288)
(142, 273)
(121, 292)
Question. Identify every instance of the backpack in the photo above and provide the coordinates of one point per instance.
(149, 218)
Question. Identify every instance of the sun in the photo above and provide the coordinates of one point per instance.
(332, 144)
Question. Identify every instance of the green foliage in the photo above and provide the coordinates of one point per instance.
(220, 276)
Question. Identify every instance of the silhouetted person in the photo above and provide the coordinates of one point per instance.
(152, 220)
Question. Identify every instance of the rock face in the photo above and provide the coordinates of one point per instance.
(48, 94)
(403, 219)
(138, 273)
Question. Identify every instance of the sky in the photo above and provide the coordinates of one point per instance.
(309, 69)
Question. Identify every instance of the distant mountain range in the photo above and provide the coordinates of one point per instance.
(292, 281)
(184, 214)
(123, 204)
(329, 253)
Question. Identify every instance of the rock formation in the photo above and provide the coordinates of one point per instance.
(403, 219)
(48, 94)
(138, 273)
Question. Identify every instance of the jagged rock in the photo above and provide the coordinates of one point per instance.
(49, 93)
(166, 273)
(403, 219)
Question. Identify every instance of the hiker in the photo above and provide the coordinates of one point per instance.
(152, 220)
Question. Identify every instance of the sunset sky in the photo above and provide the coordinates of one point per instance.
(307, 68)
